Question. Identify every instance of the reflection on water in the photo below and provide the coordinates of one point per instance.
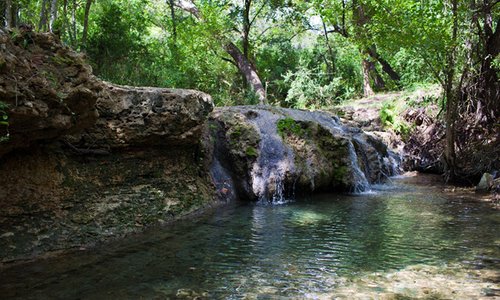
(322, 245)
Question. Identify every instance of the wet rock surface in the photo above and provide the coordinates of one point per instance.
(56, 201)
(271, 153)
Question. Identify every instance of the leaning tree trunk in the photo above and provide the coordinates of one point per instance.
(386, 67)
(367, 88)
(378, 81)
(247, 70)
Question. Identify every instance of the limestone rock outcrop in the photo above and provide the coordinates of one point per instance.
(145, 116)
(82, 160)
(49, 89)
(272, 153)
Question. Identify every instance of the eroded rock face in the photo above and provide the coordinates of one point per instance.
(143, 116)
(86, 160)
(272, 153)
(49, 89)
(56, 200)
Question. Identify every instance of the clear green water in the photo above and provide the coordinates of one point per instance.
(300, 249)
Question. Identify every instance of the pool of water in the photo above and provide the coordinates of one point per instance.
(315, 247)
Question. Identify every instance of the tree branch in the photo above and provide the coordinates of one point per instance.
(229, 60)
(189, 7)
(257, 13)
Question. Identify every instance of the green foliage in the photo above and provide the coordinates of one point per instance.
(288, 126)
(412, 68)
(251, 151)
(389, 115)
(274, 61)
(306, 91)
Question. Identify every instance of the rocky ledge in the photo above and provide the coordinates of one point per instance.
(270, 153)
(85, 160)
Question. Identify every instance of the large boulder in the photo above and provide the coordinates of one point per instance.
(147, 116)
(272, 153)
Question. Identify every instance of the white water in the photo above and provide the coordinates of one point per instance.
(275, 161)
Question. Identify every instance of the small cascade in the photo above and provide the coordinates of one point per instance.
(275, 161)
(361, 184)
(322, 154)
(394, 163)
(377, 162)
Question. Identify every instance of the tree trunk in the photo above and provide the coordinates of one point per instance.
(386, 67)
(8, 13)
(491, 84)
(247, 70)
(42, 25)
(174, 22)
(367, 88)
(330, 63)
(449, 153)
(64, 25)
(86, 23)
(53, 15)
(72, 31)
(246, 29)
(451, 101)
(14, 14)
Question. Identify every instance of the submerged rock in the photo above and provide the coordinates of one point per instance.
(271, 153)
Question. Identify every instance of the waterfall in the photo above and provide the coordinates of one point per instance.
(323, 155)
(275, 160)
(361, 184)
